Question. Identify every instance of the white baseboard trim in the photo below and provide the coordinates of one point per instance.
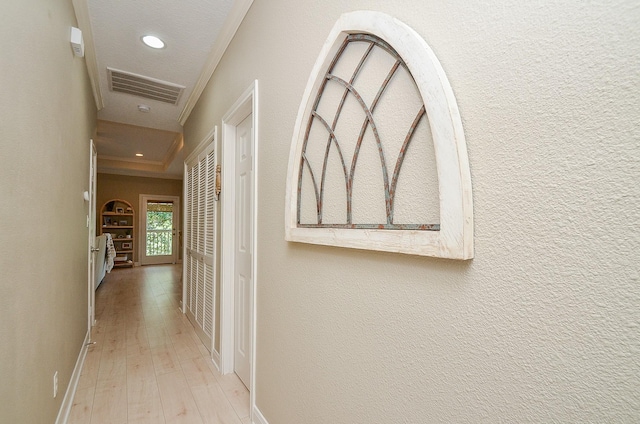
(67, 402)
(215, 357)
(257, 417)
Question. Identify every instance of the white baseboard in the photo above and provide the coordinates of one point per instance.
(67, 402)
(257, 417)
(215, 357)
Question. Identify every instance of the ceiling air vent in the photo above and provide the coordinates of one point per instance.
(149, 88)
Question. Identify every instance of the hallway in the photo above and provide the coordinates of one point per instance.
(147, 364)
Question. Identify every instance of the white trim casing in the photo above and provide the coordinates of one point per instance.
(183, 300)
(455, 238)
(211, 137)
(228, 220)
(246, 104)
(91, 223)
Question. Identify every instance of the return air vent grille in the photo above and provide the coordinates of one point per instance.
(149, 88)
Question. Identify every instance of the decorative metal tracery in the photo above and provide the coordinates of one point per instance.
(349, 165)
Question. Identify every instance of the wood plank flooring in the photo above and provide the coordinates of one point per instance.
(147, 364)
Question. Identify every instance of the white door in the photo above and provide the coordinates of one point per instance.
(243, 278)
(158, 224)
(91, 222)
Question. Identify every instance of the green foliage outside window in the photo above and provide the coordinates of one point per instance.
(159, 233)
(159, 220)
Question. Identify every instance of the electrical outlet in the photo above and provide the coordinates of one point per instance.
(55, 384)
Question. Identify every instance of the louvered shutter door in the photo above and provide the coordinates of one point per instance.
(201, 243)
(209, 247)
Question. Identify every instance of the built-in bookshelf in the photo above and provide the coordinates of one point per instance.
(117, 217)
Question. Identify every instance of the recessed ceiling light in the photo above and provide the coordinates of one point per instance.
(153, 41)
(144, 108)
(139, 154)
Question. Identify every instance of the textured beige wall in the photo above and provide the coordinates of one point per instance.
(47, 116)
(111, 186)
(542, 326)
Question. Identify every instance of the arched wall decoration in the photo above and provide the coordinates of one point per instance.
(376, 105)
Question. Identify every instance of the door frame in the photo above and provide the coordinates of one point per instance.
(91, 224)
(142, 219)
(245, 105)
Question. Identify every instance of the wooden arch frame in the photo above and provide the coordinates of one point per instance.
(454, 238)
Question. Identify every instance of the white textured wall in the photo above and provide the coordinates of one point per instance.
(543, 325)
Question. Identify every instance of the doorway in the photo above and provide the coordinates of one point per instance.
(159, 218)
(239, 229)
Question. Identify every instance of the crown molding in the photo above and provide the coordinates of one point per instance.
(230, 27)
(81, 8)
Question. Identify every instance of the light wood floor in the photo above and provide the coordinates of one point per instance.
(148, 365)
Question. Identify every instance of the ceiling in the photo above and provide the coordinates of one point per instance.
(195, 32)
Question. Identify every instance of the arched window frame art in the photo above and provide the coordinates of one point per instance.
(453, 237)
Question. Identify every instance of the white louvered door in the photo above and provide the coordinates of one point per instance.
(200, 242)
